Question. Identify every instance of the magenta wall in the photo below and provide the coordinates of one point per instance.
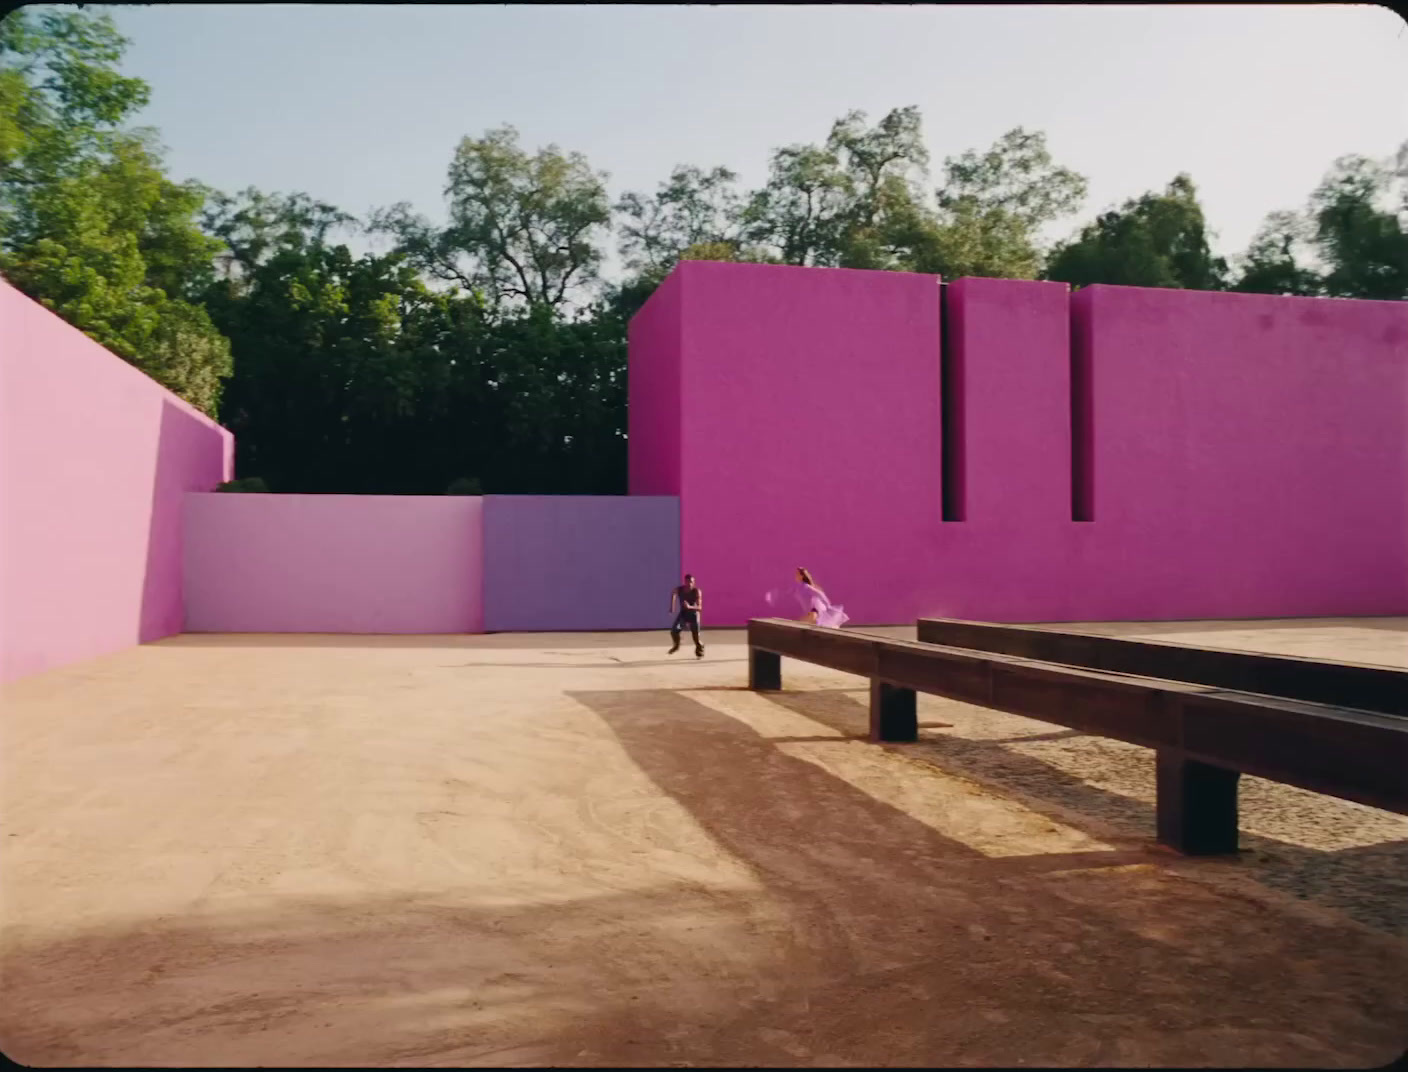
(1254, 450)
(810, 418)
(95, 459)
(334, 564)
(653, 393)
(1239, 455)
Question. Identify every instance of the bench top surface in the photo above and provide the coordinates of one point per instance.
(801, 634)
(1169, 645)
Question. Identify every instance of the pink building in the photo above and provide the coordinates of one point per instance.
(1007, 451)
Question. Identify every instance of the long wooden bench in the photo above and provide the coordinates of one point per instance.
(1369, 688)
(1204, 737)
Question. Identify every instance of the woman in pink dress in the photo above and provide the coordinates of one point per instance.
(821, 611)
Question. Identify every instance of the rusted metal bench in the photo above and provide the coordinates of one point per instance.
(1204, 736)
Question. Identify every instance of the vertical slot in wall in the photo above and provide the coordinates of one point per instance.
(951, 411)
(1082, 413)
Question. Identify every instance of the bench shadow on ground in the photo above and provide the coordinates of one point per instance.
(1369, 883)
(913, 906)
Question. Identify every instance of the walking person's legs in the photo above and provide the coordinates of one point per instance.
(694, 632)
(675, 633)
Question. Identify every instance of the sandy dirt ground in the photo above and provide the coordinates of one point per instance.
(573, 850)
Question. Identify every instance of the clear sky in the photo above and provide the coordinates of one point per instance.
(362, 106)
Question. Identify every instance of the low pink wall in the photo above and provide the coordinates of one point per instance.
(1240, 455)
(95, 459)
(334, 564)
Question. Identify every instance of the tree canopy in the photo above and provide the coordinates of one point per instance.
(485, 352)
(89, 223)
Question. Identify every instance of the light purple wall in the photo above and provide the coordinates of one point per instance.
(579, 562)
(1246, 456)
(95, 459)
(334, 564)
(653, 394)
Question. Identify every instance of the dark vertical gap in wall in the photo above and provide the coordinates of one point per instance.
(951, 413)
(1082, 416)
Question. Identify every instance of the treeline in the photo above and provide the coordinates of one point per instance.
(488, 354)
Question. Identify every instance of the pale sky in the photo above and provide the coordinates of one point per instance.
(362, 106)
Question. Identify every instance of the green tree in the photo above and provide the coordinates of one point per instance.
(693, 211)
(89, 224)
(1351, 241)
(885, 216)
(329, 369)
(856, 202)
(253, 226)
(1278, 261)
(552, 420)
(1358, 231)
(799, 215)
(62, 100)
(353, 376)
(993, 206)
(523, 229)
(1157, 240)
(116, 251)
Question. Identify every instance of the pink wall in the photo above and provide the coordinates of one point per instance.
(1253, 449)
(1244, 456)
(810, 420)
(95, 459)
(1016, 554)
(653, 393)
(334, 564)
(1016, 411)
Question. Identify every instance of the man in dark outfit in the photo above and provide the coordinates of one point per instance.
(691, 602)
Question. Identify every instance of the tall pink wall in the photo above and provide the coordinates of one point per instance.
(653, 393)
(334, 564)
(1015, 411)
(1241, 455)
(95, 459)
(810, 417)
(1016, 553)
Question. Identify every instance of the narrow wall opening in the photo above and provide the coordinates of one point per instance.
(1082, 414)
(954, 491)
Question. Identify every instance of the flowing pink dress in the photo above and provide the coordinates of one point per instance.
(828, 614)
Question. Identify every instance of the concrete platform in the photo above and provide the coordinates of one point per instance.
(575, 850)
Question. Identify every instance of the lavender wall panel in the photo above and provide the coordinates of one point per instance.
(579, 562)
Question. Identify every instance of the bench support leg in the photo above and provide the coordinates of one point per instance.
(1197, 805)
(764, 670)
(894, 714)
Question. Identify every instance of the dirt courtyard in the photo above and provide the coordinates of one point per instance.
(573, 850)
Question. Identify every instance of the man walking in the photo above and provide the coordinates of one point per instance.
(691, 601)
